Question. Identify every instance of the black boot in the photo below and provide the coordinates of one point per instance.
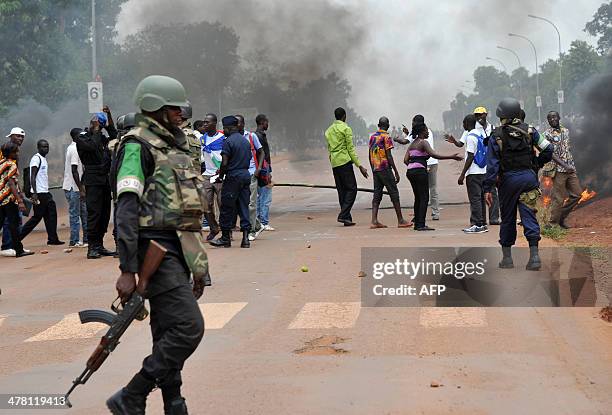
(211, 235)
(132, 399)
(176, 407)
(92, 251)
(534, 263)
(506, 261)
(224, 242)
(245, 240)
(105, 252)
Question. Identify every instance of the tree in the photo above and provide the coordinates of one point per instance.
(601, 26)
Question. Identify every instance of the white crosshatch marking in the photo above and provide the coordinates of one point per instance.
(326, 316)
(217, 315)
(437, 317)
(69, 327)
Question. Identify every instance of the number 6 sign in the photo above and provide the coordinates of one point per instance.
(94, 96)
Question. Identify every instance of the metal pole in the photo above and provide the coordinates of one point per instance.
(560, 55)
(498, 61)
(94, 63)
(519, 65)
(535, 52)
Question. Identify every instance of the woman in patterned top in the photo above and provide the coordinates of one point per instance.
(10, 199)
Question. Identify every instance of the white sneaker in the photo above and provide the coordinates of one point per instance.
(268, 228)
(206, 228)
(252, 237)
(474, 229)
(81, 245)
(8, 253)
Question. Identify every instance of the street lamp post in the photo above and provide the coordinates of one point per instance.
(560, 97)
(519, 65)
(538, 97)
(498, 61)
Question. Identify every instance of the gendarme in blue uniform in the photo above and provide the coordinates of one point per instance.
(516, 165)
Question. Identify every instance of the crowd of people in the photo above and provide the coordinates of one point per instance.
(508, 159)
(88, 176)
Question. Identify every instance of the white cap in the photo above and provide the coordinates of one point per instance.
(17, 131)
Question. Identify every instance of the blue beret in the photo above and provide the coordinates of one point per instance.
(229, 121)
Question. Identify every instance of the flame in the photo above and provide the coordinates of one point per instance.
(546, 201)
(547, 182)
(587, 195)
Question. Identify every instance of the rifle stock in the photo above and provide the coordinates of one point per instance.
(133, 309)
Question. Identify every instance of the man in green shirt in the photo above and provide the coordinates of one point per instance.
(342, 156)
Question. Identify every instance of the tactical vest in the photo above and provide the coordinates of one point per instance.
(516, 148)
(171, 199)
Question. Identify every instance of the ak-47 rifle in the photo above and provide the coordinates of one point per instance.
(119, 321)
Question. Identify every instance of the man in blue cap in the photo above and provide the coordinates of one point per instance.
(95, 155)
(235, 195)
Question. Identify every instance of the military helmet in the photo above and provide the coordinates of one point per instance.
(508, 108)
(157, 91)
(187, 111)
(126, 121)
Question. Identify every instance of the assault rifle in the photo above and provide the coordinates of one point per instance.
(120, 320)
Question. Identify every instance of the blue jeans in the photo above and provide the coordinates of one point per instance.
(7, 242)
(77, 211)
(264, 199)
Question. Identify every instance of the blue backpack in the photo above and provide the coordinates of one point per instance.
(480, 157)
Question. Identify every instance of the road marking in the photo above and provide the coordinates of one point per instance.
(326, 316)
(436, 317)
(69, 327)
(217, 315)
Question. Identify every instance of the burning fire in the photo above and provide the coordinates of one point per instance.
(546, 201)
(587, 195)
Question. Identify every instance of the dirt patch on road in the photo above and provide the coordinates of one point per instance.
(591, 224)
(322, 346)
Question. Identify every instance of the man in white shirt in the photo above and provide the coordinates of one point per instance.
(211, 142)
(256, 161)
(484, 129)
(74, 191)
(473, 174)
(432, 167)
(44, 205)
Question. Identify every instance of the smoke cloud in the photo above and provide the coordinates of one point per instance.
(401, 58)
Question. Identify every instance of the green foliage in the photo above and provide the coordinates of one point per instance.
(601, 26)
(554, 232)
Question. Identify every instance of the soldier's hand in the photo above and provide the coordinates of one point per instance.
(460, 180)
(198, 287)
(489, 199)
(126, 285)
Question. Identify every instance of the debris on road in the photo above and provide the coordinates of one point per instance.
(304, 268)
(44, 251)
(362, 274)
(322, 346)
(606, 314)
(67, 250)
(434, 384)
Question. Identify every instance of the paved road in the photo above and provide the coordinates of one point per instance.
(279, 340)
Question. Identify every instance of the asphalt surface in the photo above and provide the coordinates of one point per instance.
(279, 340)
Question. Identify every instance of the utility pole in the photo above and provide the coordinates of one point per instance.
(94, 63)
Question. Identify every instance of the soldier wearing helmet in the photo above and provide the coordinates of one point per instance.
(512, 167)
(192, 140)
(158, 199)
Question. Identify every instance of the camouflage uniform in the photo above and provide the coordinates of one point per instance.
(195, 147)
(158, 199)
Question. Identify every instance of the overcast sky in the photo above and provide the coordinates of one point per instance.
(412, 56)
